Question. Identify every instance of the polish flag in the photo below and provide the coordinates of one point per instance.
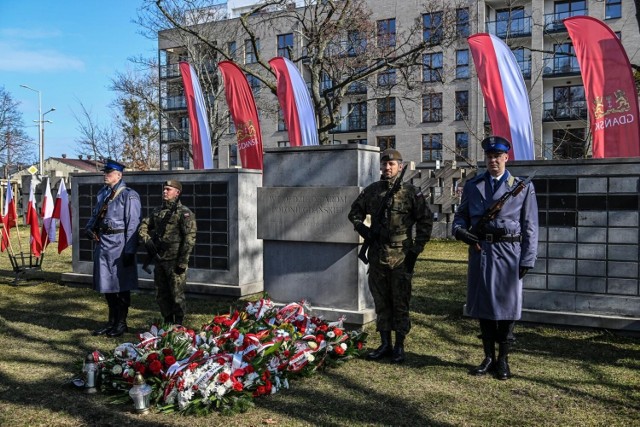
(505, 93)
(32, 221)
(8, 216)
(198, 121)
(62, 211)
(48, 233)
(293, 95)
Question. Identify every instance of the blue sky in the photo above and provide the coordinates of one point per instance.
(69, 50)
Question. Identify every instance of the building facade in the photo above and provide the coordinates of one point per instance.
(435, 111)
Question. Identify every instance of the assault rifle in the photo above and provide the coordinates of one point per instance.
(95, 229)
(493, 211)
(378, 218)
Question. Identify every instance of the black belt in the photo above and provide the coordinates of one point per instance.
(493, 238)
(112, 231)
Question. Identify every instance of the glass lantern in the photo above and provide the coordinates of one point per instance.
(140, 394)
(90, 371)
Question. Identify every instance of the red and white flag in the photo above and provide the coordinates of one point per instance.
(242, 107)
(48, 233)
(293, 95)
(609, 88)
(8, 216)
(62, 211)
(505, 93)
(198, 120)
(34, 225)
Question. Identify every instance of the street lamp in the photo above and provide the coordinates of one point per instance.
(40, 127)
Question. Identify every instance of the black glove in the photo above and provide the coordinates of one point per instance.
(128, 259)
(150, 246)
(466, 236)
(179, 270)
(363, 230)
(410, 261)
(523, 272)
(89, 234)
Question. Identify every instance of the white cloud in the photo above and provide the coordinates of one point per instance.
(16, 58)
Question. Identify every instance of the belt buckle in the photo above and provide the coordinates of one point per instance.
(489, 238)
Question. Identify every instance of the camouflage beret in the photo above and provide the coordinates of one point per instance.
(173, 183)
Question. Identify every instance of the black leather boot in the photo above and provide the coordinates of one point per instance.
(112, 318)
(179, 320)
(489, 362)
(169, 319)
(398, 349)
(503, 371)
(385, 348)
(121, 316)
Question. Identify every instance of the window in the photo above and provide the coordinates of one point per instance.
(523, 58)
(462, 64)
(462, 146)
(285, 45)
(431, 107)
(431, 147)
(325, 81)
(432, 27)
(564, 59)
(612, 9)
(254, 83)
(232, 125)
(386, 32)
(565, 9)
(357, 116)
(284, 144)
(233, 155)
(569, 102)
(281, 124)
(511, 22)
(432, 67)
(462, 105)
(232, 50)
(385, 142)
(387, 111)
(249, 53)
(463, 28)
(356, 43)
(387, 77)
(569, 143)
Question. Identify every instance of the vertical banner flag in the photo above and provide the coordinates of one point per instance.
(48, 233)
(198, 121)
(505, 93)
(293, 95)
(34, 225)
(8, 216)
(609, 88)
(62, 211)
(243, 110)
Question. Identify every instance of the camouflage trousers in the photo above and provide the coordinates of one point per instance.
(170, 289)
(391, 291)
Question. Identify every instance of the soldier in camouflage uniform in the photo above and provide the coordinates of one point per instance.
(170, 232)
(393, 253)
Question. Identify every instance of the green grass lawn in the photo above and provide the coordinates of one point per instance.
(562, 376)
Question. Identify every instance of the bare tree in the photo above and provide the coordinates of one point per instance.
(16, 148)
(342, 47)
(99, 141)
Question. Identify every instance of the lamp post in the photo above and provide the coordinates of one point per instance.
(40, 127)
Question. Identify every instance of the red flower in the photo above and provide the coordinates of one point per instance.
(139, 367)
(216, 330)
(249, 369)
(155, 367)
(151, 357)
(193, 366)
(221, 361)
(234, 334)
(337, 331)
(260, 390)
(237, 386)
(169, 360)
(238, 373)
(339, 350)
(223, 377)
(319, 338)
(167, 351)
(359, 345)
(265, 375)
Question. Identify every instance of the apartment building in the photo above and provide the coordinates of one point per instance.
(437, 116)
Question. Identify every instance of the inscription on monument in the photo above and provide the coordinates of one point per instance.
(306, 214)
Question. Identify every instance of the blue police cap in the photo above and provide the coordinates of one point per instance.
(112, 165)
(495, 144)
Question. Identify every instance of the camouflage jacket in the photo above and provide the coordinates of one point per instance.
(396, 237)
(177, 239)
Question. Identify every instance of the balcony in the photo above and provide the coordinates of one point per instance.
(169, 71)
(525, 68)
(513, 28)
(174, 135)
(564, 111)
(356, 124)
(560, 67)
(553, 21)
(170, 103)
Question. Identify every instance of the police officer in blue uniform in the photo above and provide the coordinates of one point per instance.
(113, 227)
(500, 253)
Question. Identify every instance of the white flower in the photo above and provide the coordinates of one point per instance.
(220, 390)
(343, 346)
(310, 357)
(331, 334)
(116, 370)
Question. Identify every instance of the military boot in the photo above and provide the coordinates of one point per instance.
(398, 349)
(121, 315)
(503, 371)
(110, 323)
(169, 319)
(489, 362)
(385, 348)
(179, 320)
